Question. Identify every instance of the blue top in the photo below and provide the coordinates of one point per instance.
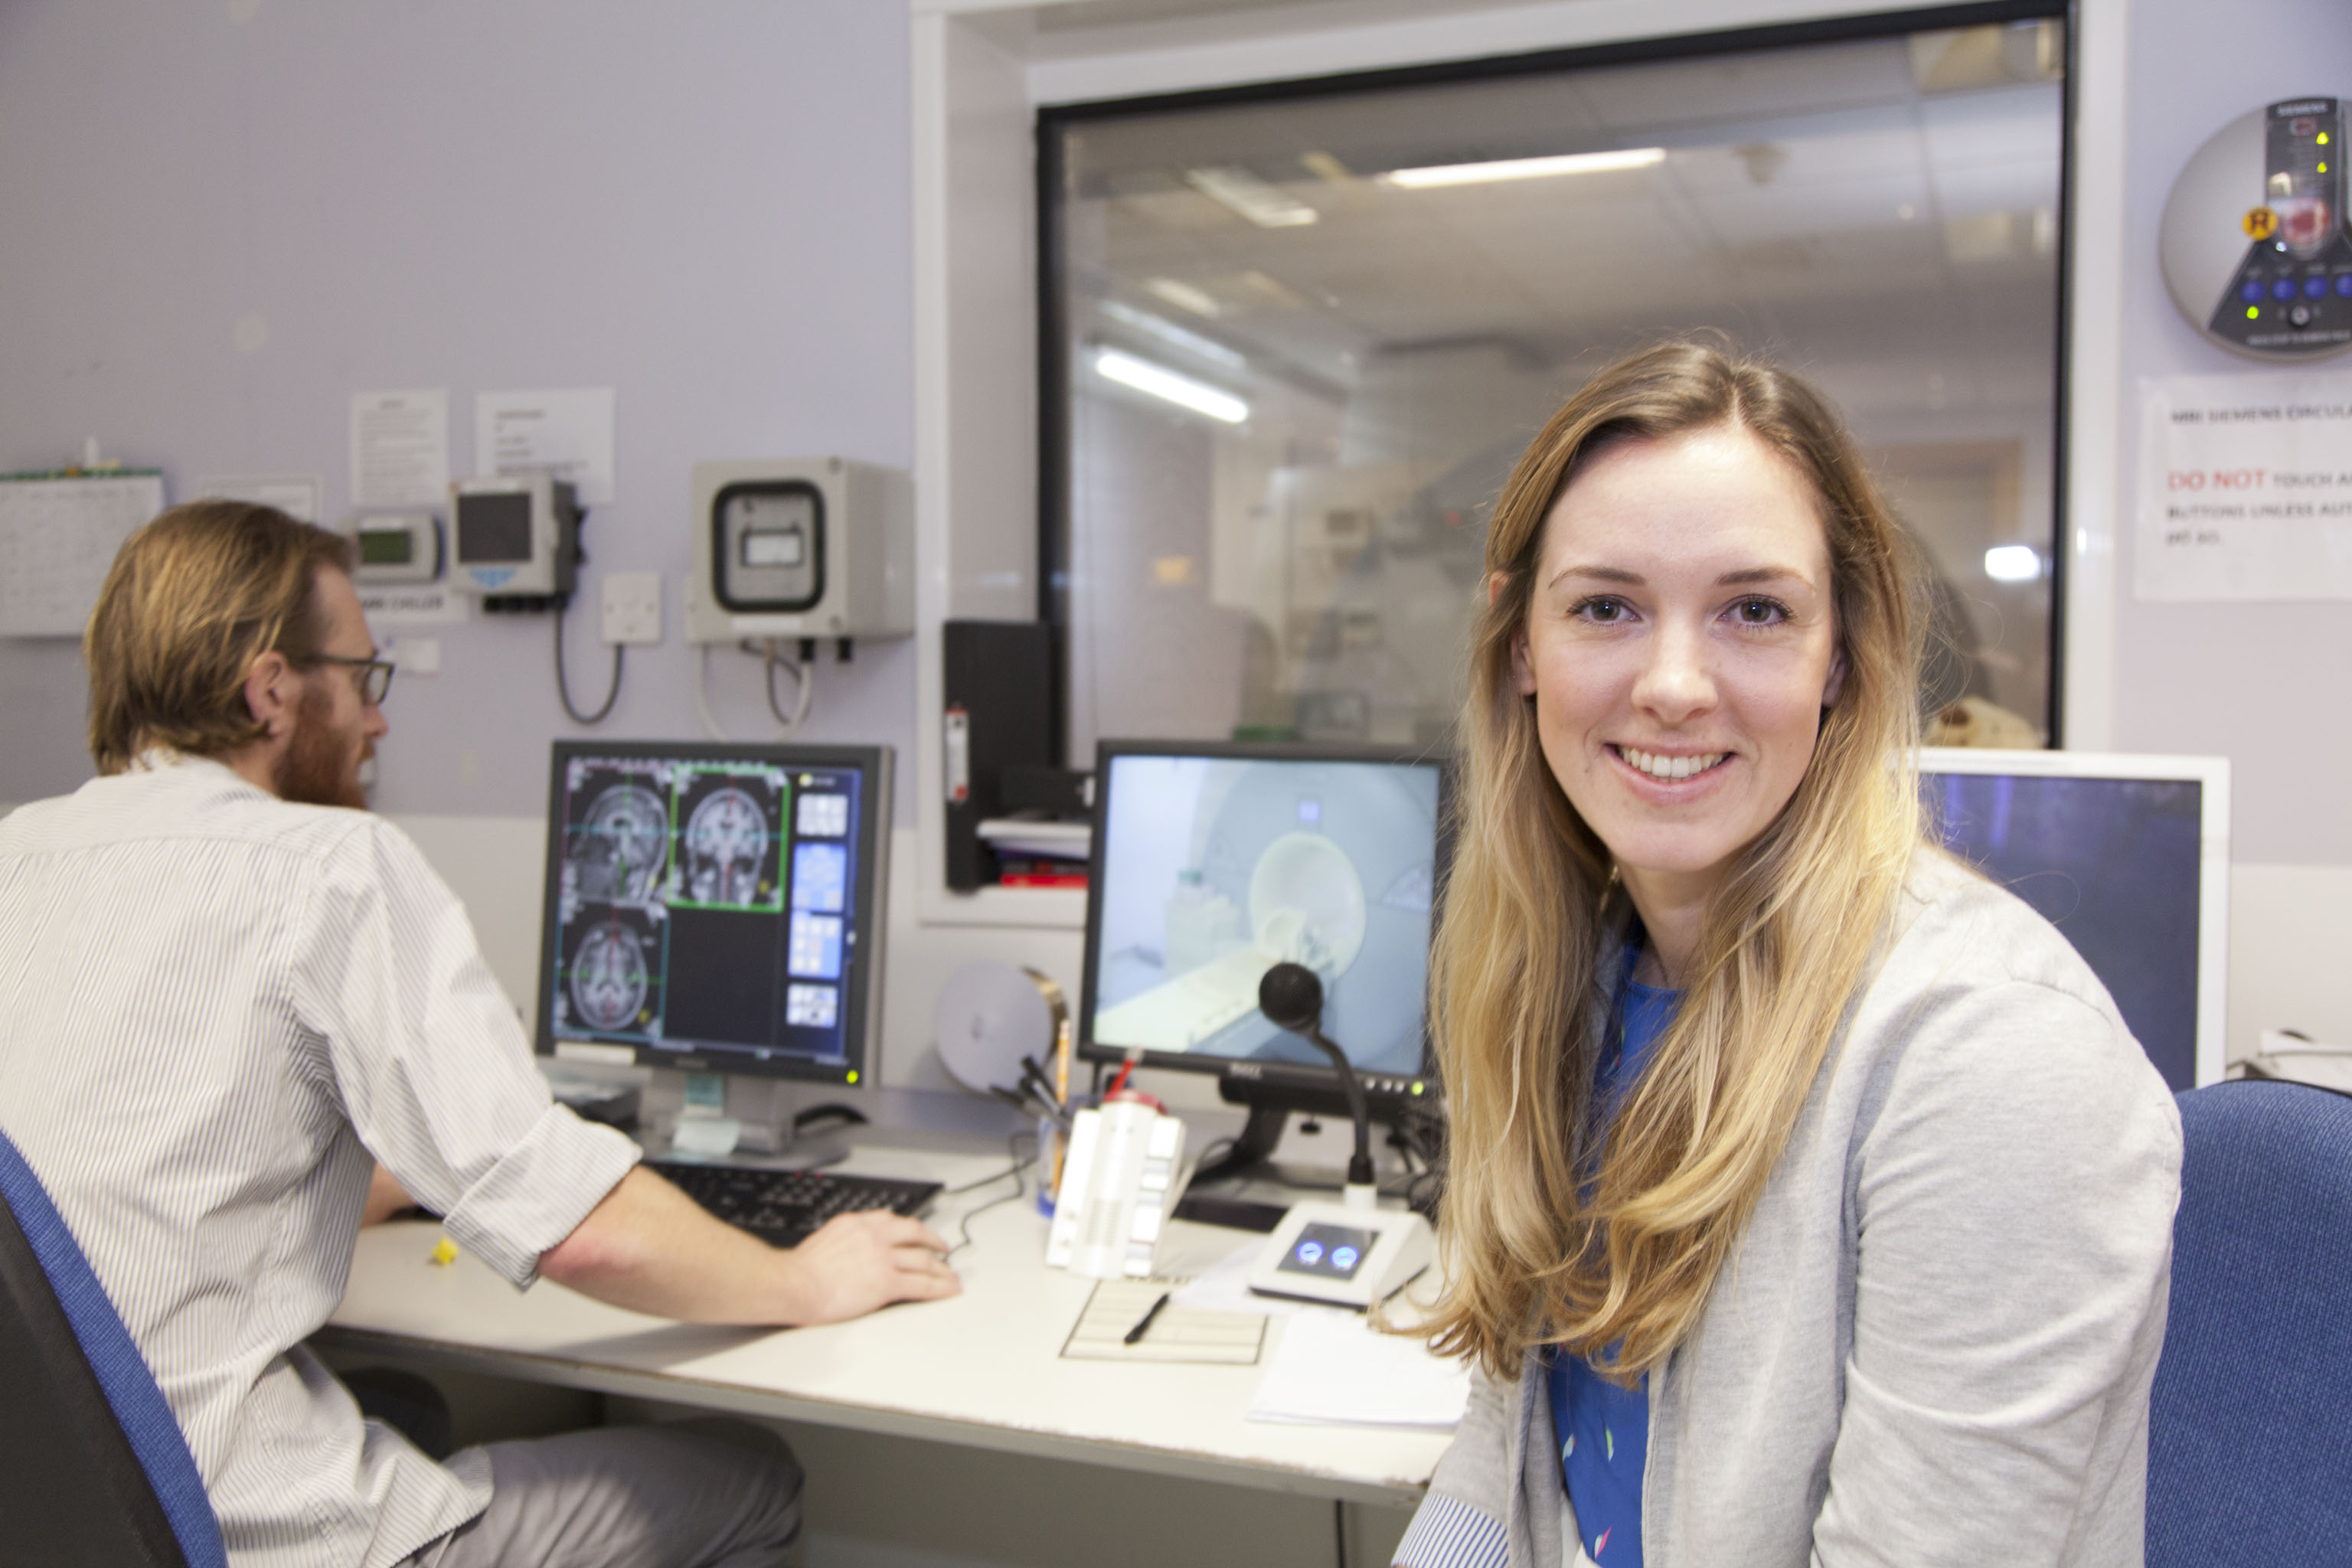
(1603, 1429)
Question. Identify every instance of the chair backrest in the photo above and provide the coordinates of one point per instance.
(2250, 1427)
(93, 1466)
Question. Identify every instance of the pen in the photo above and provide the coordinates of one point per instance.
(1143, 1324)
(1062, 1060)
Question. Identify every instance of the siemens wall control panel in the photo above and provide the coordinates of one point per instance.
(395, 548)
(801, 547)
(2256, 248)
(516, 536)
(2293, 290)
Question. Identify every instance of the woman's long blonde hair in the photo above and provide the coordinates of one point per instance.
(1555, 1232)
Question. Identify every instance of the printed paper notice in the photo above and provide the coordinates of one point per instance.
(400, 448)
(567, 434)
(2245, 488)
(296, 495)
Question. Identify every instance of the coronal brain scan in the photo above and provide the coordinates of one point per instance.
(726, 849)
(609, 978)
(622, 845)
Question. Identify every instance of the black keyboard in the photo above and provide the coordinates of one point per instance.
(784, 1208)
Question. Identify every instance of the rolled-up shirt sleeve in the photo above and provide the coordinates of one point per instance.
(430, 1062)
(1447, 1532)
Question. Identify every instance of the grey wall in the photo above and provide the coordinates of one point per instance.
(2261, 684)
(705, 206)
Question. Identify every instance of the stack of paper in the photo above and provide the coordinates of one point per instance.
(1333, 1369)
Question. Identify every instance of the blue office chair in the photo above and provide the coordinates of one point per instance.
(93, 1468)
(2250, 1428)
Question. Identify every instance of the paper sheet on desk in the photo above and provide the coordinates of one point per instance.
(1223, 1286)
(1332, 1369)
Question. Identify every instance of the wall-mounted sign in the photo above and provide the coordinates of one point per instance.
(2245, 488)
(2255, 247)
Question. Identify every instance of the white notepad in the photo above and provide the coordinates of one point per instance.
(1332, 1369)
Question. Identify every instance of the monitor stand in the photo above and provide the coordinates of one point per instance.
(715, 1115)
(1270, 1106)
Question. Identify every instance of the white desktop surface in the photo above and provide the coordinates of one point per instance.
(983, 1368)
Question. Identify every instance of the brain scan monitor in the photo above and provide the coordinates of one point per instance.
(1213, 868)
(705, 902)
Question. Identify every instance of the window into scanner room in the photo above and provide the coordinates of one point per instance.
(1296, 339)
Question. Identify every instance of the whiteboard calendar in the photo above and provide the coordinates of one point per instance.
(57, 537)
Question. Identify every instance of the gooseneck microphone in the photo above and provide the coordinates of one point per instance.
(1291, 997)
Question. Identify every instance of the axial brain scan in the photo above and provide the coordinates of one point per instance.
(618, 853)
(726, 845)
(608, 977)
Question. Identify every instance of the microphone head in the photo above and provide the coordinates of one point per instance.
(1291, 996)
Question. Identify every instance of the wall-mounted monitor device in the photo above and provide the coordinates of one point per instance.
(715, 909)
(1212, 863)
(2129, 858)
(801, 547)
(395, 548)
(515, 535)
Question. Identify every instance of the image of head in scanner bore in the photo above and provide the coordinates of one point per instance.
(1225, 866)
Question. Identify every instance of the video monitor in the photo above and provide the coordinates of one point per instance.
(2129, 857)
(715, 907)
(1213, 863)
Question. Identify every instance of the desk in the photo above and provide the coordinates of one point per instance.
(984, 1369)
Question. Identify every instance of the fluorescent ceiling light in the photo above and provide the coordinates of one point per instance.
(1168, 331)
(2012, 563)
(1160, 382)
(1523, 168)
(1252, 197)
(1184, 296)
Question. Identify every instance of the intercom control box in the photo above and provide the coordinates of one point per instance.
(801, 547)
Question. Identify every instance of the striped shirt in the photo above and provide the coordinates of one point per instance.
(217, 1006)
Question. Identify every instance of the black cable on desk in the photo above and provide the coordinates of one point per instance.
(1020, 1162)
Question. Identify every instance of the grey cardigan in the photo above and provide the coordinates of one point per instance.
(1935, 1341)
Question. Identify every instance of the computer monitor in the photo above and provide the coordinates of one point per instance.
(2129, 858)
(715, 909)
(1213, 862)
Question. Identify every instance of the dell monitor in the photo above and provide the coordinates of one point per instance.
(2129, 857)
(1211, 864)
(715, 908)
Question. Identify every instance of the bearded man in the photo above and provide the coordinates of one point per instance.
(234, 991)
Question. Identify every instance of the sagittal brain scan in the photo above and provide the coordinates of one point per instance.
(622, 846)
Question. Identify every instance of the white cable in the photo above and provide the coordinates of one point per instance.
(803, 678)
(702, 693)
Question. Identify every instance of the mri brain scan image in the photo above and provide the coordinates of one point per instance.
(619, 850)
(725, 849)
(608, 978)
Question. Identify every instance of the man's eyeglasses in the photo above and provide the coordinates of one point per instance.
(373, 676)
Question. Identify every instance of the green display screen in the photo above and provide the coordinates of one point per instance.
(386, 547)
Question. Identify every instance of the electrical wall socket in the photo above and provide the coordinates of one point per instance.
(632, 607)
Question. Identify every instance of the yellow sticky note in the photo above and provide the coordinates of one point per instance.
(445, 1253)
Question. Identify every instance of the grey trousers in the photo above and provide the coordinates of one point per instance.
(700, 1494)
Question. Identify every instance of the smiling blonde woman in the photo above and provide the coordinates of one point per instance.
(1810, 1201)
